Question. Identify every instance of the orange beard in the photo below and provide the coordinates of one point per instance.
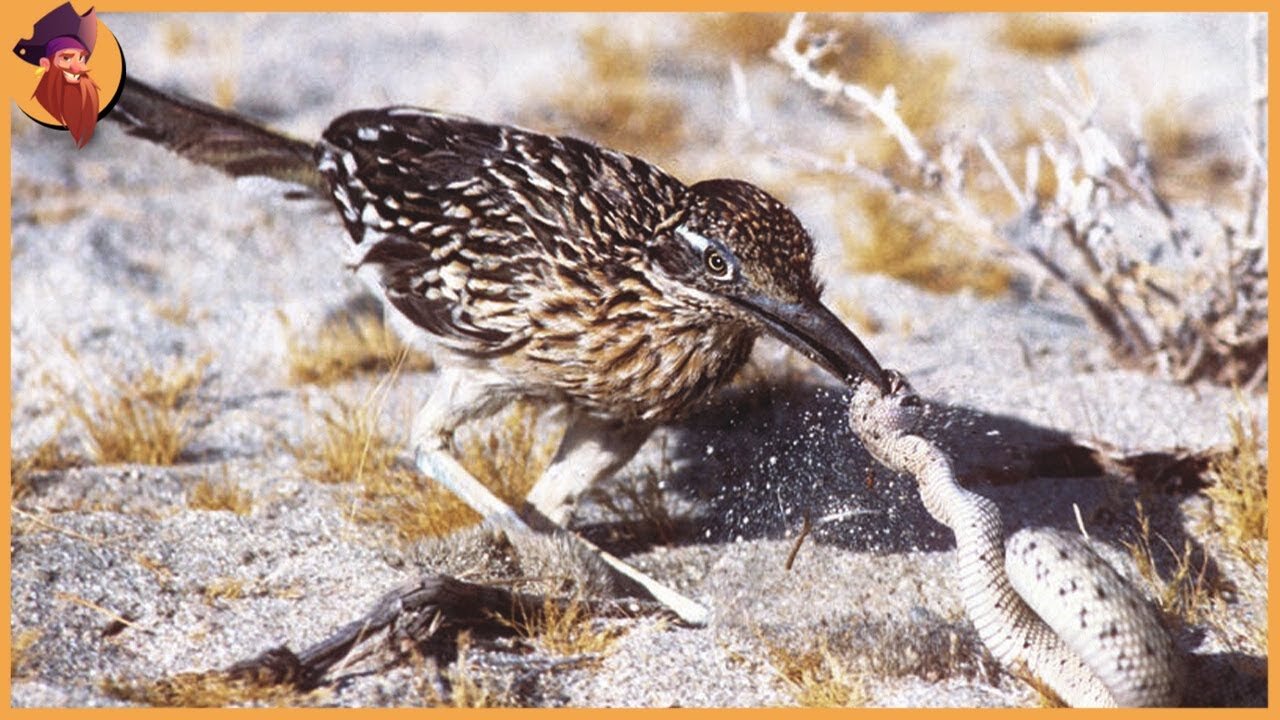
(74, 104)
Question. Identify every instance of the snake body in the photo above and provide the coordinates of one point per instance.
(1046, 605)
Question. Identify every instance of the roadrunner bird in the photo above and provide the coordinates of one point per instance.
(542, 267)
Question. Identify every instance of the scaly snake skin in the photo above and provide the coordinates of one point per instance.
(1048, 605)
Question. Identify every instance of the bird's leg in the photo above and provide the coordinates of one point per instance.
(592, 450)
(461, 396)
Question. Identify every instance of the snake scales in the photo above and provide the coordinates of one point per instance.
(1046, 604)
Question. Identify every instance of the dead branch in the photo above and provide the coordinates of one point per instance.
(1256, 124)
(883, 108)
(1191, 307)
(424, 617)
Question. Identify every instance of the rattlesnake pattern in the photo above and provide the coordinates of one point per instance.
(1046, 605)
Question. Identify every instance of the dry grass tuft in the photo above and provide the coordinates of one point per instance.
(349, 346)
(859, 315)
(1042, 35)
(744, 36)
(414, 506)
(48, 456)
(1186, 594)
(509, 458)
(177, 37)
(220, 494)
(1187, 162)
(352, 448)
(45, 203)
(566, 627)
(1239, 489)
(351, 445)
(203, 690)
(146, 419)
(224, 92)
(642, 500)
(20, 654)
(1045, 696)
(164, 575)
(618, 102)
(224, 588)
(815, 676)
(178, 312)
(905, 244)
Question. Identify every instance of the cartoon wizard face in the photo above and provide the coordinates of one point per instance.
(60, 48)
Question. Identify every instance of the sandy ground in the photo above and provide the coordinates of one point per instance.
(125, 258)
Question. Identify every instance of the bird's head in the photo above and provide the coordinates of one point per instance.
(738, 252)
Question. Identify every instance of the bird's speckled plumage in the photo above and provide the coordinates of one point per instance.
(554, 260)
(573, 272)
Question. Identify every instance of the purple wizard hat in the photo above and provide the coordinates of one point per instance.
(62, 28)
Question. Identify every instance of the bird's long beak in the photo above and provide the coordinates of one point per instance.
(812, 329)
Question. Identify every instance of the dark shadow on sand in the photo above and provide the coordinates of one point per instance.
(752, 462)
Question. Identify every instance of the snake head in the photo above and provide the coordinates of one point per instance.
(874, 412)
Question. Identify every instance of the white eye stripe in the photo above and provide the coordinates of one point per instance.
(697, 241)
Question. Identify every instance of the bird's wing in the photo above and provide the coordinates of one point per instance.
(467, 221)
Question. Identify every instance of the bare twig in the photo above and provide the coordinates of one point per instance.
(112, 615)
(940, 177)
(37, 520)
(1020, 198)
(1256, 124)
(805, 527)
(884, 108)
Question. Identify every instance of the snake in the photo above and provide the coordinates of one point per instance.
(1044, 603)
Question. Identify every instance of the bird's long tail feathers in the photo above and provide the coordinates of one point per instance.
(211, 136)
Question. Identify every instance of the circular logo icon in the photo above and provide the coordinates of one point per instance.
(68, 73)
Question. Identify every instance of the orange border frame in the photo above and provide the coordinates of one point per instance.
(28, 10)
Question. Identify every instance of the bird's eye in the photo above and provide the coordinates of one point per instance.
(716, 264)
